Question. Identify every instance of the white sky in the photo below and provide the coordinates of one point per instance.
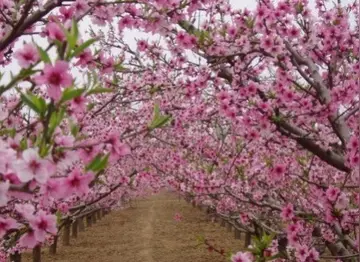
(250, 4)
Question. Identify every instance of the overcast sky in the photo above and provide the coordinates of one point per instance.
(243, 3)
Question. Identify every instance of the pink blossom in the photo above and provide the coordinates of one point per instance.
(6, 224)
(301, 253)
(4, 188)
(78, 104)
(342, 201)
(252, 134)
(13, 179)
(354, 159)
(27, 56)
(63, 207)
(178, 217)
(31, 167)
(77, 183)
(232, 31)
(142, 45)
(54, 31)
(43, 223)
(85, 59)
(313, 255)
(126, 22)
(185, 40)
(107, 63)
(14, 143)
(242, 257)
(117, 148)
(67, 13)
(278, 171)
(54, 188)
(287, 213)
(55, 77)
(66, 160)
(25, 210)
(329, 216)
(293, 32)
(65, 141)
(267, 43)
(102, 15)
(293, 228)
(6, 4)
(8, 157)
(80, 6)
(332, 193)
(224, 97)
(28, 240)
(293, 239)
(354, 143)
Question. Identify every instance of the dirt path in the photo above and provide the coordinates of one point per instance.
(148, 233)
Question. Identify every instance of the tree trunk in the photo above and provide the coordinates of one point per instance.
(37, 254)
(247, 240)
(88, 221)
(66, 235)
(228, 227)
(53, 247)
(81, 224)
(222, 222)
(16, 257)
(237, 234)
(75, 229)
(339, 249)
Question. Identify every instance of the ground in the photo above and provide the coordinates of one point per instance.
(148, 233)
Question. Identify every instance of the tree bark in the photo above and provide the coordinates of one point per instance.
(66, 235)
(223, 224)
(16, 257)
(37, 254)
(237, 234)
(75, 229)
(88, 221)
(247, 240)
(53, 247)
(228, 227)
(81, 224)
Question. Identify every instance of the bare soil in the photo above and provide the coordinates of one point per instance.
(148, 233)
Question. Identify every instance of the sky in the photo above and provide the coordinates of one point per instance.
(250, 4)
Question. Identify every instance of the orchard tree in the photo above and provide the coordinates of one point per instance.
(63, 151)
(265, 107)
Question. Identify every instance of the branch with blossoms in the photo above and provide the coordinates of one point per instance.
(276, 83)
(41, 150)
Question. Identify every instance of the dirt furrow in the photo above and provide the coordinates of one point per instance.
(148, 233)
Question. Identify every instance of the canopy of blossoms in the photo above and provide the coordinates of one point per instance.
(254, 113)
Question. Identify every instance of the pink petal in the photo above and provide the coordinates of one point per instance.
(61, 66)
(30, 154)
(54, 92)
(28, 240)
